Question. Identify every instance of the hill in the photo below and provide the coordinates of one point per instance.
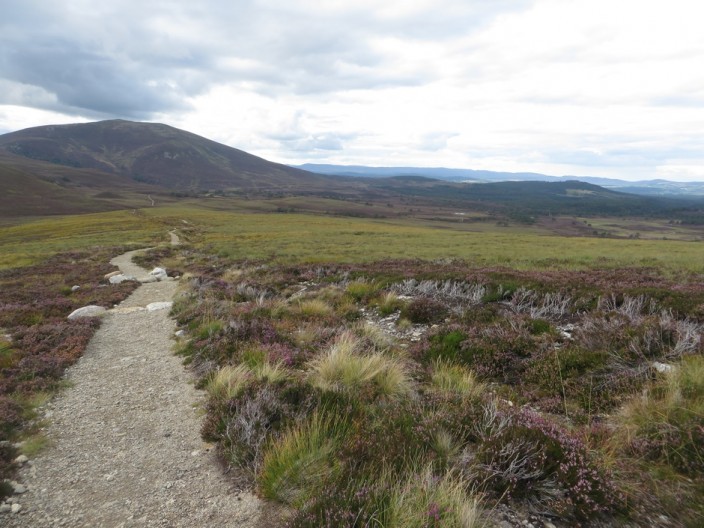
(644, 187)
(155, 154)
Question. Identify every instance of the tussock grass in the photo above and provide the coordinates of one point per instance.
(425, 500)
(665, 423)
(270, 373)
(455, 378)
(312, 308)
(374, 337)
(342, 369)
(298, 463)
(388, 303)
(229, 381)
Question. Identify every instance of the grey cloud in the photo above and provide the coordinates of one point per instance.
(133, 59)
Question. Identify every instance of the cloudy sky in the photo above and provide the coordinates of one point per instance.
(583, 87)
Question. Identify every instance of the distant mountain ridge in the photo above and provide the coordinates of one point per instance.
(645, 187)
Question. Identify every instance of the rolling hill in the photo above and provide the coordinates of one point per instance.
(117, 164)
(155, 154)
(644, 187)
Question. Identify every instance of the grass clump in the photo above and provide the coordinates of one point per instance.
(666, 423)
(302, 460)
(389, 303)
(455, 378)
(229, 382)
(361, 290)
(314, 308)
(342, 369)
(426, 500)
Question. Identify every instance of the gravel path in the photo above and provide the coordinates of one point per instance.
(126, 449)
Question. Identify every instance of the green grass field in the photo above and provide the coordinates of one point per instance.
(28, 243)
(306, 238)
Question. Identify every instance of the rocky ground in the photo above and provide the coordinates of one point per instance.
(125, 445)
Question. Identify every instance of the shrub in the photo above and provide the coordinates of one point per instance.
(524, 454)
(424, 310)
(299, 463)
(244, 424)
(445, 345)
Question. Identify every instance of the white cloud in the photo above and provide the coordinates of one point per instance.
(586, 87)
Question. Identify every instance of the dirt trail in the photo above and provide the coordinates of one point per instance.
(126, 447)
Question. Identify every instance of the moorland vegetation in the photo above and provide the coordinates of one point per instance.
(440, 390)
(404, 352)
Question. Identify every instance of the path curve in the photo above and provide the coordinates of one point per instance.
(126, 449)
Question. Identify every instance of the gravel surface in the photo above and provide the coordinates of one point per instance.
(126, 449)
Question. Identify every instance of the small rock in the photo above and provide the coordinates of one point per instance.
(75, 288)
(180, 333)
(548, 524)
(159, 273)
(164, 305)
(112, 274)
(5, 508)
(22, 459)
(663, 368)
(147, 280)
(87, 311)
(15, 508)
(17, 488)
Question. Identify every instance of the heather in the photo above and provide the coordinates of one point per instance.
(39, 343)
(410, 393)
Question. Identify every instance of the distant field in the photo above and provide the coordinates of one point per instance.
(309, 238)
(29, 242)
(293, 238)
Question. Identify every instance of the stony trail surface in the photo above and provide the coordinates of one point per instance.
(126, 449)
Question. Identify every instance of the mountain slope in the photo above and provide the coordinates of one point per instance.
(155, 154)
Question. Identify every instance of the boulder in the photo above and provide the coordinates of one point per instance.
(164, 305)
(87, 311)
(159, 274)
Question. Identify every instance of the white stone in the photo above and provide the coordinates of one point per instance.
(5, 508)
(663, 368)
(75, 288)
(164, 305)
(146, 280)
(87, 311)
(22, 459)
(112, 274)
(117, 279)
(159, 274)
(180, 333)
(15, 508)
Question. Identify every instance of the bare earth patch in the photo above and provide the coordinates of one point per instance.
(126, 449)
